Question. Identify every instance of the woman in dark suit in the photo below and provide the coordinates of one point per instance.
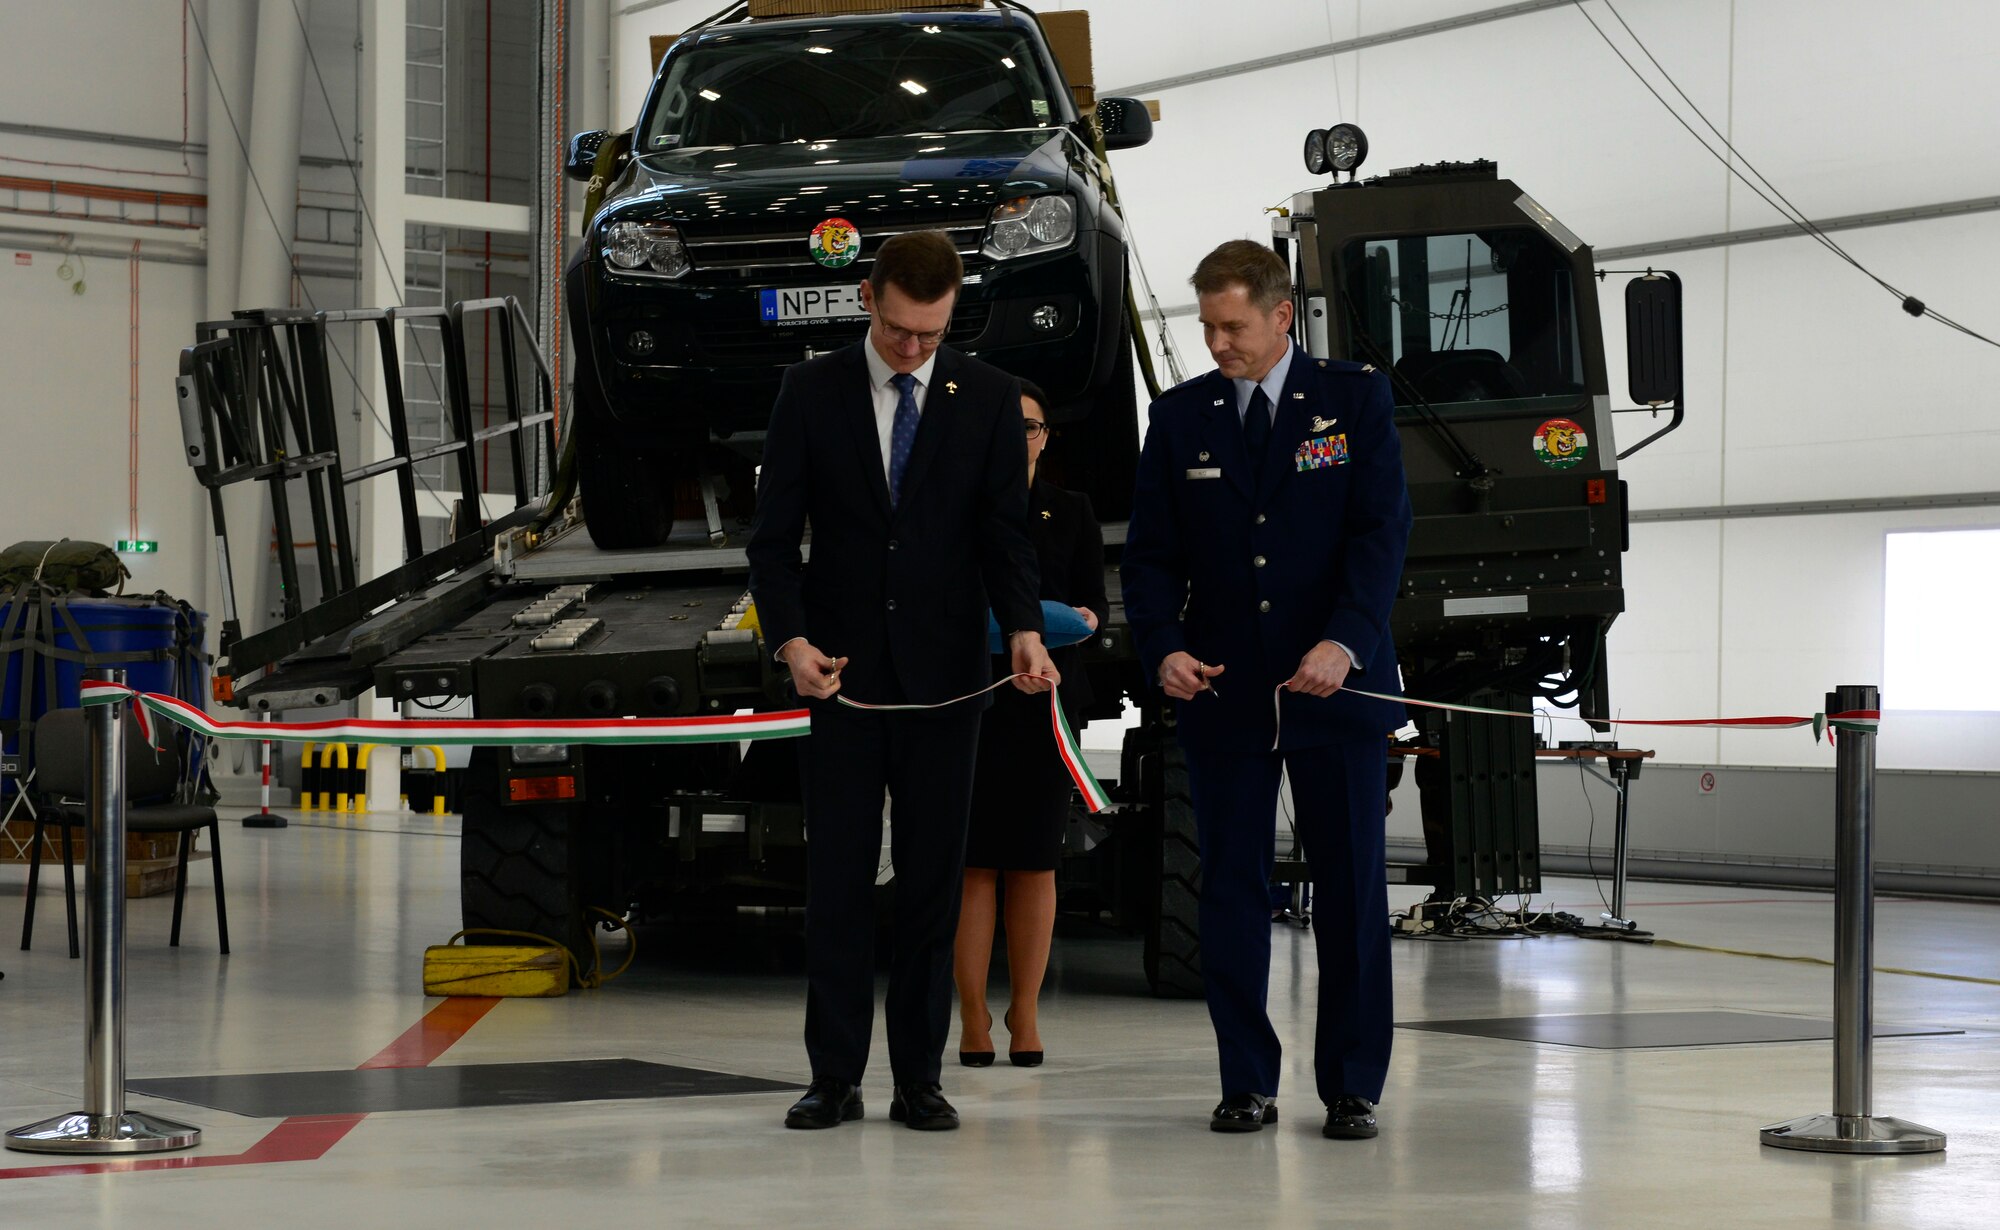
(1021, 792)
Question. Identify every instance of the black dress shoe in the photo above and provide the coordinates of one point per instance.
(923, 1108)
(828, 1103)
(1243, 1112)
(1350, 1118)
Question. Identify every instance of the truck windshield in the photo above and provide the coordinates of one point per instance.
(855, 81)
(1469, 317)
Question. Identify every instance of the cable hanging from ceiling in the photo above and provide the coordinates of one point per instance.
(1767, 192)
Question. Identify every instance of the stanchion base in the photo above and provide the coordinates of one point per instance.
(265, 820)
(1611, 927)
(1628, 933)
(132, 1132)
(1853, 1134)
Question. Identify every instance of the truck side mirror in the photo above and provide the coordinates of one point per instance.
(1125, 121)
(581, 162)
(1653, 347)
(1653, 338)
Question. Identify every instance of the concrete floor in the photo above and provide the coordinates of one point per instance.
(329, 923)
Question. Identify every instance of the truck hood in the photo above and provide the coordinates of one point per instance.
(874, 176)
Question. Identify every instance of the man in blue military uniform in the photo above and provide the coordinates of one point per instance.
(1264, 552)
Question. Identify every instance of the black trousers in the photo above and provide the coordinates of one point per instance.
(924, 762)
(1338, 804)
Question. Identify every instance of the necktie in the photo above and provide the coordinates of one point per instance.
(1257, 427)
(903, 434)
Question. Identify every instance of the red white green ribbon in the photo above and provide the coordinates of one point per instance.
(470, 732)
(1094, 796)
(501, 732)
(1859, 721)
(1856, 721)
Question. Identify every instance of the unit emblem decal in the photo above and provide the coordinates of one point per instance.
(834, 243)
(1561, 443)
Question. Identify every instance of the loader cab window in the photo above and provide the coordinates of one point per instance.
(1467, 318)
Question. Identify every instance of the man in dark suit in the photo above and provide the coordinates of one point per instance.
(1266, 541)
(909, 461)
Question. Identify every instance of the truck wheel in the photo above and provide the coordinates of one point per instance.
(519, 867)
(1173, 937)
(628, 490)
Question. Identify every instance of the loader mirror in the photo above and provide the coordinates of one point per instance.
(1653, 338)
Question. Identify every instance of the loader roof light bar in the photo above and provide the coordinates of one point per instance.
(1316, 162)
(1342, 147)
(1346, 147)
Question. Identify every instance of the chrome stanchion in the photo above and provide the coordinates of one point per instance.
(104, 1125)
(1852, 1127)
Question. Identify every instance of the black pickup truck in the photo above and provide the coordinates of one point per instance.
(740, 215)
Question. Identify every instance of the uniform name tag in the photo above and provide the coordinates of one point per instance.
(1206, 472)
(1322, 451)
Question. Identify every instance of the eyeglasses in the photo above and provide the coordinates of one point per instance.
(898, 334)
(1035, 429)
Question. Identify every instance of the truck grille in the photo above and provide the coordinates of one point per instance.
(750, 343)
(747, 249)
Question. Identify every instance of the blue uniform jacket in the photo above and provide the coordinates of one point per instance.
(1251, 566)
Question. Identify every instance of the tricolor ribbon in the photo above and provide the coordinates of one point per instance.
(1857, 721)
(467, 732)
(504, 732)
(1094, 795)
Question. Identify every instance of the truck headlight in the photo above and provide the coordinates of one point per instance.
(646, 247)
(1029, 224)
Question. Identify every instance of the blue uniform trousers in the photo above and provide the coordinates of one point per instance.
(1338, 795)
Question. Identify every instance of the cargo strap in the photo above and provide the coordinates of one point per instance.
(589, 981)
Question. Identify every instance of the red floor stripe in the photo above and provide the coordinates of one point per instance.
(427, 1039)
(302, 1138)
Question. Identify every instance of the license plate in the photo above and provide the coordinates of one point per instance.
(804, 304)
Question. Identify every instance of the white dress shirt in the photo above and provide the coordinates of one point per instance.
(885, 398)
(879, 374)
(1273, 385)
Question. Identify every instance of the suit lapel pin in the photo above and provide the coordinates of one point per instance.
(1298, 397)
(1203, 457)
(1320, 424)
(1218, 401)
(1045, 514)
(951, 386)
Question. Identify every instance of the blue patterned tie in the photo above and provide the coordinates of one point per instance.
(904, 434)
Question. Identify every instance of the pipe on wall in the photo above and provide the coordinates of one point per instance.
(269, 230)
(230, 26)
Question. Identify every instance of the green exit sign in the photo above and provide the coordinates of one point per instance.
(138, 546)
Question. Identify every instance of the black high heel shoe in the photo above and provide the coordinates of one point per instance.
(1020, 1059)
(978, 1059)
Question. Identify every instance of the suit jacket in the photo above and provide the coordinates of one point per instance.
(903, 594)
(1250, 562)
(1069, 547)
